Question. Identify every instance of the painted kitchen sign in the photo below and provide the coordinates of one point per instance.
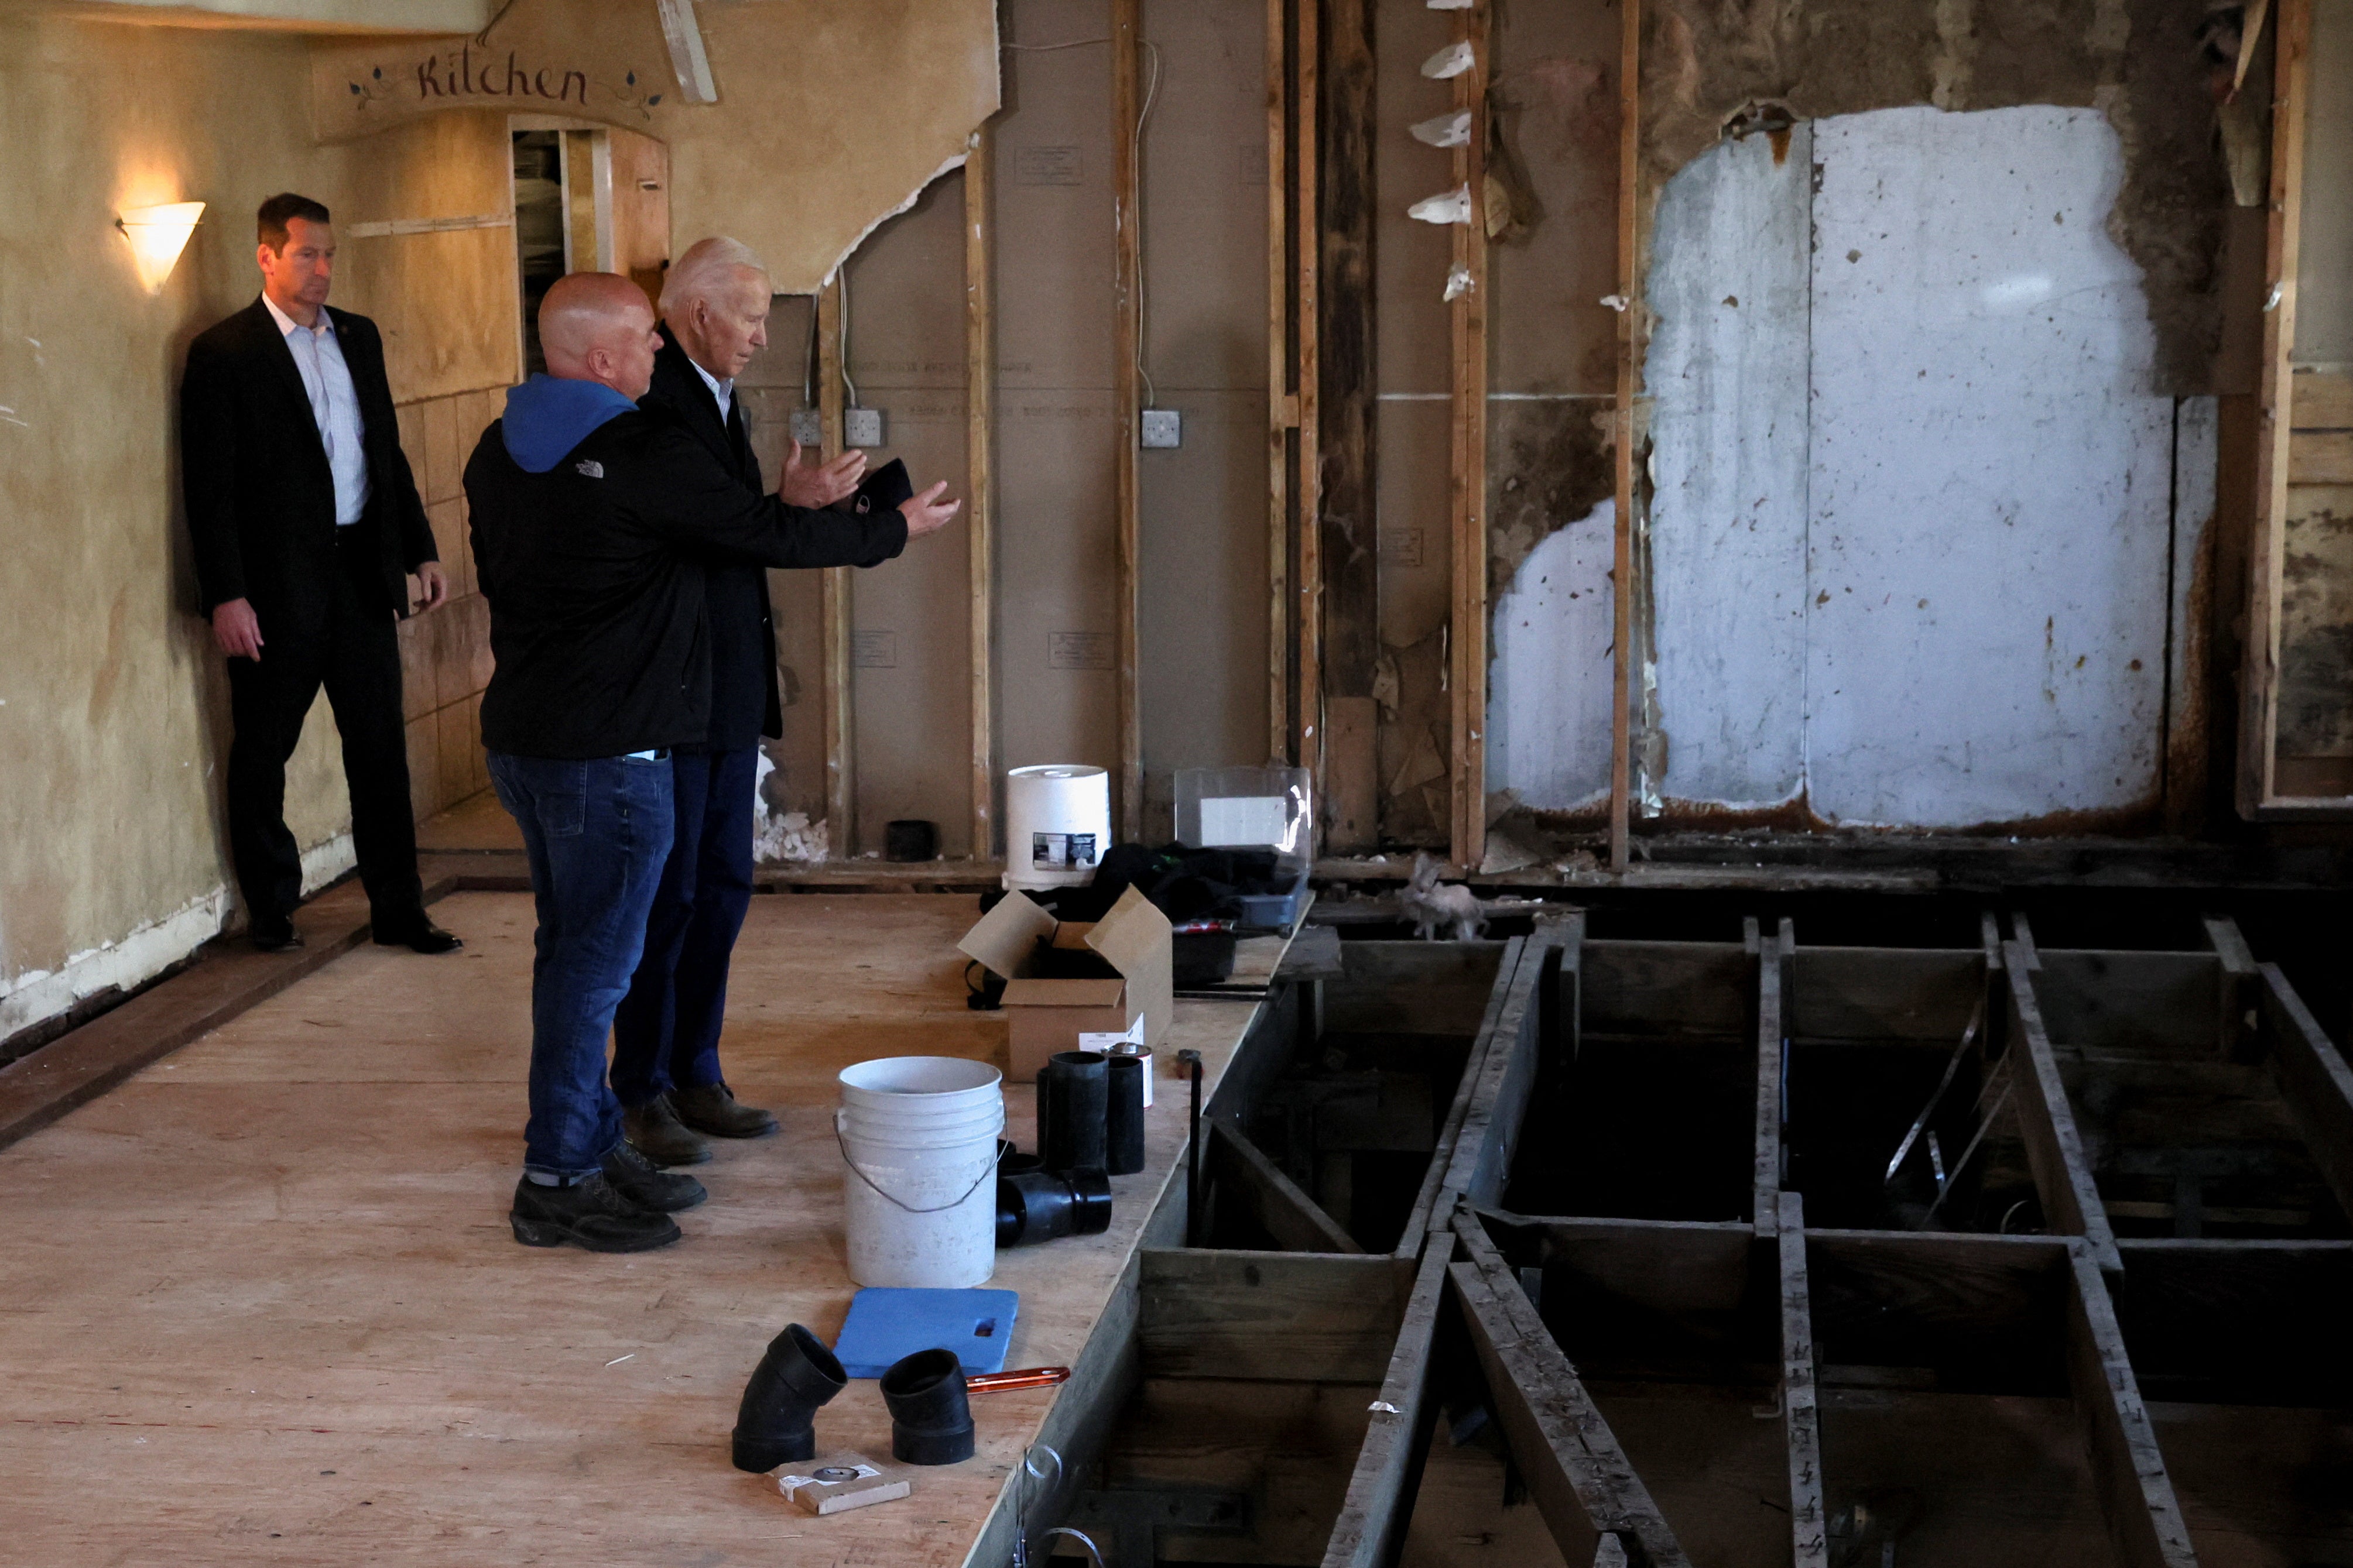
(543, 62)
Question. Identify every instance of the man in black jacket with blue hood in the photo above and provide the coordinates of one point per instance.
(594, 526)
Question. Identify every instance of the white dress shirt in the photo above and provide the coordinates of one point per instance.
(334, 405)
(723, 390)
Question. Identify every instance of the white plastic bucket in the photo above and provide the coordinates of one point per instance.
(919, 1135)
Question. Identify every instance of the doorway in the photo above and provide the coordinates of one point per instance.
(586, 199)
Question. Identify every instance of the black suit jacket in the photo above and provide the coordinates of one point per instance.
(261, 495)
(745, 701)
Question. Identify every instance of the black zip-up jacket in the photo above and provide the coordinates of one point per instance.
(595, 572)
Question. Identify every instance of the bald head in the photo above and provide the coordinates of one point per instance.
(598, 326)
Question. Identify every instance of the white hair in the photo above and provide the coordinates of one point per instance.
(709, 264)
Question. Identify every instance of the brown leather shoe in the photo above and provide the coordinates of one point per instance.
(654, 1131)
(712, 1109)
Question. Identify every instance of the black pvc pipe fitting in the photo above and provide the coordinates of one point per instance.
(1124, 1115)
(931, 1420)
(776, 1423)
(1072, 1090)
(1033, 1206)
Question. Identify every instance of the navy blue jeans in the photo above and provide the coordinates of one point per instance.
(597, 833)
(666, 1035)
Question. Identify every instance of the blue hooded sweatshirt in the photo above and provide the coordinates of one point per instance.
(548, 415)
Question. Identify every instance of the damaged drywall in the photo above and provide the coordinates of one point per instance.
(2135, 61)
(794, 159)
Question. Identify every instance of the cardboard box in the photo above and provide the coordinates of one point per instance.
(1044, 1015)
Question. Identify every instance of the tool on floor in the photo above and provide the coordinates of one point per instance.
(931, 1421)
(775, 1423)
(1190, 1061)
(842, 1482)
(1026, 1377)
(885, 1325)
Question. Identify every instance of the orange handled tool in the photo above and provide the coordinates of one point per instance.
(1026, 1377)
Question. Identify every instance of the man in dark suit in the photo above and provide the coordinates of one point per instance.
(307, 526)
(666, 1070)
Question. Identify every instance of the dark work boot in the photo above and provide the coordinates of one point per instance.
(589, 1212)
(635, 1178)
(656, 1132)
(711, 1108)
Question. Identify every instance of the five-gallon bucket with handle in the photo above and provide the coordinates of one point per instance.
(919, 1135)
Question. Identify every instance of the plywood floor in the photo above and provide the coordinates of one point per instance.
(260, 1304)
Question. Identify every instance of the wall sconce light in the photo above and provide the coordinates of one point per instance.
(157, 236)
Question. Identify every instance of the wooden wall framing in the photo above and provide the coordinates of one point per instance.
(841, 795)
(980, 463)
(1467, 466)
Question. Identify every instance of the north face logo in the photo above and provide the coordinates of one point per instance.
(590, 467)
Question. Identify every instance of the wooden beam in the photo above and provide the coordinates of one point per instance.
(1772, 1073)
(980, 467)
(1576, 1470)
(1480, 1165)
(2236, 997)
(834, 608)
(1308, 580)
(1371, 1527)
(1289, 1215)
(1127, 189)
(1621, 641)
(2054, 1149)
(1289, 1317)
(2145, 1522)
(1800, 1413)
(1434, 1207)
(1281, 402)
(2313, 1079)
(2259, 671)
(1467, 650)
(1348, 510)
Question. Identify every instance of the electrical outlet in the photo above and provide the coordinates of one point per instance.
(808, 428)
(861, 427)
(1163, 427)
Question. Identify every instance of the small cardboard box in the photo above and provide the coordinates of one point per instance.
(1046, 1015)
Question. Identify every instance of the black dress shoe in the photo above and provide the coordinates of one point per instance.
(423, 935)
(275, 937)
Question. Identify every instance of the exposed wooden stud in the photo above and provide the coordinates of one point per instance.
(1467, 639)
(1621, 640)
(1289, 1215)
(1801, 1413)
(834, 604)
(1370, 1530)
(1281, 402)
(2313, 1079)
(1284, 1316)
(2144, 1520)
(980, 467)
(1126, 190)
(1348, 508)
(1578, 1473)
(2258, 673)
(1308, 580)
(2054, 1149)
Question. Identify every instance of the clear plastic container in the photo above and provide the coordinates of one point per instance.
(1221, 809)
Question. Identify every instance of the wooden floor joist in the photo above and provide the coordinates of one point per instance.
(2054, 1149)
(2313, 1079)
(2136, 1494)
(1480, 1166)
(1241, 1169)
(1773, 954)
(1575, 1466)
(1801, 1409)
(1370, 1530)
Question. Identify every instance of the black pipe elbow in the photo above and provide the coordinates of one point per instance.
(776, 1423)
(931, 1420)
(1033, 1206)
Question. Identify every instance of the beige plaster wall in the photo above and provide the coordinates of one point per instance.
(113, 727)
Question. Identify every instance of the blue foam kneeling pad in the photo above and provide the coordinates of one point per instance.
(886, 1323)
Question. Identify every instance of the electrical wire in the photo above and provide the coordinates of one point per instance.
(846, 381)
(1135, 155)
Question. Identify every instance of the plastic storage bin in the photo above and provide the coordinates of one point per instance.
(1259, 808)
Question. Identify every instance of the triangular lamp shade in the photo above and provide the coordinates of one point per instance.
(157, 236)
